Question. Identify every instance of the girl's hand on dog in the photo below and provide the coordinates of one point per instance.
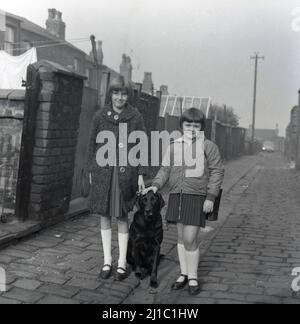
(208, 207)
(141, 183)
(154, 189)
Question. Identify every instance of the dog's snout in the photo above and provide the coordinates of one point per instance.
(148, 212)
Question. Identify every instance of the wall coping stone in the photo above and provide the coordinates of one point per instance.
(57, 68)
(11, 94)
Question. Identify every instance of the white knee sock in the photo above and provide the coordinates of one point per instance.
(182, 259)
(193, 258)
(123, 244)
(106, 242)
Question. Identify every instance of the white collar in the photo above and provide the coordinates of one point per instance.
(188, 140)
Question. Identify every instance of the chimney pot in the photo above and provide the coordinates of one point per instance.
(126, 67)
(55, 25)
(148, 85)
(51, 13)
(59, 15)
(164, 89)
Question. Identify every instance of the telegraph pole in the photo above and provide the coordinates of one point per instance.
(256, 58)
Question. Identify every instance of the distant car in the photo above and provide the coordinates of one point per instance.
(268, 146)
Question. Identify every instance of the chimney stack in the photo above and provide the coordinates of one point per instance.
(55, 25)
(148, 85)
(100, 54)
(99, 50)
(164, 90)
(126, 67)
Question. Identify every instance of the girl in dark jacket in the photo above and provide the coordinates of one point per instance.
(114, 187)
(192, 194)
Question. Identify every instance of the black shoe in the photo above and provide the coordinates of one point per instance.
(121, 276)
(106, 274)
(194, 290)
(180, 285)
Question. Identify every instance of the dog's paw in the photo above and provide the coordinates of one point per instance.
(138, 275)
(144, 274)
(153, 291)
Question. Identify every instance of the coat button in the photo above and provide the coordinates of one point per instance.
(109, 113)
(122, 170)
(116, 117)
(121, 145)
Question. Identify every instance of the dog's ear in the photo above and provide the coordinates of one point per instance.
(161, 201)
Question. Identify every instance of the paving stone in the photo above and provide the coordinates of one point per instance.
(55, 300)
(291, 301)
(78, 244)
(42, 244)
(231, 302)
(23, 295)
(27, 284)
(84, 283)
(26, 248)
(90, 297)
(55, 279)
(15, 253)
(59, 290)
(4, 259)
(215, 287)
(6, 301)
(227, 295)
(258, 299)
(22, 274)
(111, 301)
(277, 292)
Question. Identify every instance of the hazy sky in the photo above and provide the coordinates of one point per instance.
(197, 47)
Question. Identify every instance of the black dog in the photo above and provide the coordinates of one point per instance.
(146, 236)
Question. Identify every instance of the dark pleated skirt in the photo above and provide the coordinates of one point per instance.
(116, 206)
(186, 209)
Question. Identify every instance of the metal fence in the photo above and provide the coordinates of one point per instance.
(230, 140)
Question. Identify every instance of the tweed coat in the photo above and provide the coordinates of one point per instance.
(108, 120)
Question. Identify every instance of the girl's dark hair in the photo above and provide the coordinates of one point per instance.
(120, 84)
(193, 115)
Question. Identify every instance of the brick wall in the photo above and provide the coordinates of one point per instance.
(57, 124)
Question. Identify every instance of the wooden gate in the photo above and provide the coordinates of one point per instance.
(11, 129)
(33, 86)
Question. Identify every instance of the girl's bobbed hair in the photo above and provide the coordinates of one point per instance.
(193, 115)
(120, 84)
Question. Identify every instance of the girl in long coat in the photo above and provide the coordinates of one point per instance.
(114, 187)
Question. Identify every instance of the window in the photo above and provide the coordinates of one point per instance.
(77, 65)
(9, 40)
(88, 75)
